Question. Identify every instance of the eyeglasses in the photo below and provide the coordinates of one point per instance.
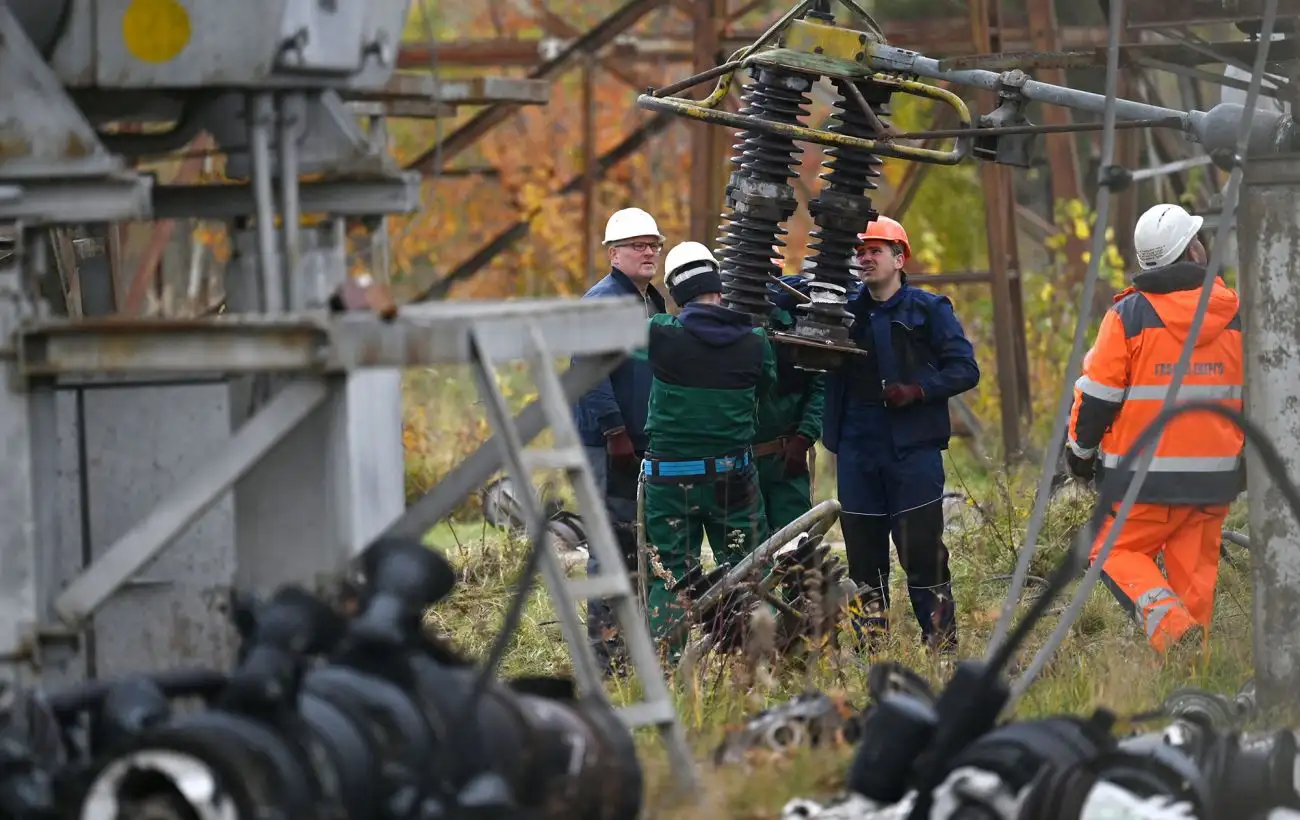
(642, 247)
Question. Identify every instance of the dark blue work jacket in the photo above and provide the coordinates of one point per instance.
(912, 338)
(623, 398)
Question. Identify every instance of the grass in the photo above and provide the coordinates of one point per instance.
(1104, 661)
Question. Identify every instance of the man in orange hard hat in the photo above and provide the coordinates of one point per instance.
(886, 418)
(1194, 474)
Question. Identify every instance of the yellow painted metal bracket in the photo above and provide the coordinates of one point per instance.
(703, 112)
(815, 49)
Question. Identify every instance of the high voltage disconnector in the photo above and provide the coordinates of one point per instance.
(760, 197)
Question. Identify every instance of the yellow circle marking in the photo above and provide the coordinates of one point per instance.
(155, 31)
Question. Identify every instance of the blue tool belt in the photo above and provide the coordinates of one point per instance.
(693, 471)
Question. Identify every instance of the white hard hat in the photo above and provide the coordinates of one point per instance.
(684, 254)
(1162, 234)
(628, 223)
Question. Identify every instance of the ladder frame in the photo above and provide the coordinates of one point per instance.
(612, 583)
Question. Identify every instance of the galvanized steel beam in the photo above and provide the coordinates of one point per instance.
(187, 503)
(425, 334)
(1268, 234)
(398, 194)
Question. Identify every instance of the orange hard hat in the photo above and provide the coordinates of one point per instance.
(884, 229)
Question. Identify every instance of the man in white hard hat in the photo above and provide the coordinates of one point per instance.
(711, 367)
(1194, 475)
(611, 417)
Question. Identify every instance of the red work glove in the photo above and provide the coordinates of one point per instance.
(796, 455)
(901, 395)
(619, 447)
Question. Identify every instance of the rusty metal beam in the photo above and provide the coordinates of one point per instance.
(706, 146)
(484, 121)
(556, 26)
(161, 233)
(508, 237)
(996, 185)
(1131, 54)
(936, 38)
(405, 85)
(1163, 13)
(1016, 285)
(1062, 151)
(1128, 154)
(588, 170)
(401, 109)
(1243, 51)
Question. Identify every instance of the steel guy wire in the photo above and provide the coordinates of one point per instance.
(1052, 452)
(1230, 201)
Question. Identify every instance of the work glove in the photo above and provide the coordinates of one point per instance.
(901, 395)
(1084, 469)
(796, 455)
(619, 448)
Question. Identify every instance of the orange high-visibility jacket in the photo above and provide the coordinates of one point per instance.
(1126, 377)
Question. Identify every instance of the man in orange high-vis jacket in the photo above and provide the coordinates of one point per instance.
(1194, 474)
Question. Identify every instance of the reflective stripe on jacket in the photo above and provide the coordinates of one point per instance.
(1127, 375)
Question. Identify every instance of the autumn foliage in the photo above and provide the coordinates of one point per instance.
(513, 173)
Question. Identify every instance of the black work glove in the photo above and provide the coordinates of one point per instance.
(619, 447)
(901, 395)
(1084, 469)
(796, 455)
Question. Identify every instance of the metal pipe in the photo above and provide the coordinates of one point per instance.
(261, 118)
(1030, 128)
(890, 58)
(1171, 168)
(1181, 368)
(696, 79)
(291, 113)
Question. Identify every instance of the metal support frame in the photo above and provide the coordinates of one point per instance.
(420, 335)
(1062, 153)
(89, 590)
(1269, 243)
(603, 32)
(305, 467)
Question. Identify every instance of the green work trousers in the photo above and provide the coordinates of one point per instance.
(677, 517)
(784, 498)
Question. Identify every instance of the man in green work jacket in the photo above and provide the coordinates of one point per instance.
(789, 422)
(711, 366)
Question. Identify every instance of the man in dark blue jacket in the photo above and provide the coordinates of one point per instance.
(611, 417)
(886, 419)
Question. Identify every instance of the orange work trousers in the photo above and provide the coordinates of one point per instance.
(1170, 603)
